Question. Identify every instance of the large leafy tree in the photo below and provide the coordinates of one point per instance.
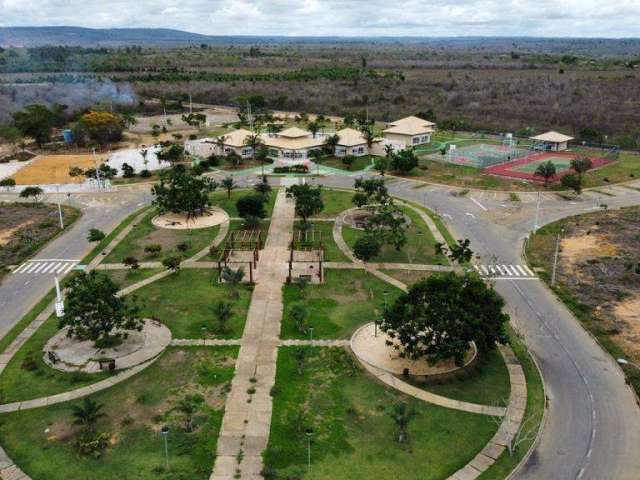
(388, 224)
(35, 121)
(370, 191)
(308, 200)
(180, 192)
(581, 165)
(251, 206)
(404, 160)
(94, 312)
(442, 314)
(103, 127)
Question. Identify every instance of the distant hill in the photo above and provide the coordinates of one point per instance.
(78, 36)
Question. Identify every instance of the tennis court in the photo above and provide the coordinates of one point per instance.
(525, 167)
(479, 155)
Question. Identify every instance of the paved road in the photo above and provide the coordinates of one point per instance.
(593, 424)
(21, 291)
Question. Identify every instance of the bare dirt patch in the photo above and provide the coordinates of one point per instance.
(48, 169)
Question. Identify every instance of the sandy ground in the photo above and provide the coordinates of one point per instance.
(628, 312)
(6, 234)
(175, 221)
(576, 249)
(48, 169)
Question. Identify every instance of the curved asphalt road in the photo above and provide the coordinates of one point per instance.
(593, 423)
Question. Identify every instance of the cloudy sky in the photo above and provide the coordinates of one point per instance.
(588, 18)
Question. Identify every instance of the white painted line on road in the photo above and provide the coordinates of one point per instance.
(478, 203)
(521, 270)
(52, 265)
(529, 270)
(515, 278)
(54, 260)
(68, 267)
(20, 268)
(41, 265)
(61, 267)
(484, 270)
(30, 267)
(580, 473)
(446, 215)
(509, 272)
(470, 214)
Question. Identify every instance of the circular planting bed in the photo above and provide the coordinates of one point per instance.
(373, 349)
(68, 354)
(358, 217)
(178, 221)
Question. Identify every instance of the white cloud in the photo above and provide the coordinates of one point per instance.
(340, 17)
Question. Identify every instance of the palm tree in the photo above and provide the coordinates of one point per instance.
(367, 133)
(220, 143)
(144, 152)
(262, 154)
(388, 150)
(546, 170)
(402, 416)
(223, 312)
(581, 165)
(228, 184)
(87, 414)
(332, 142)
(234, 277)
(299, 316)
(253, 141)
(313, 127)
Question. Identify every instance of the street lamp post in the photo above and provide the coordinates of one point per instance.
(165, 433)
(309, 433)
(555, 258)
(625, 362)
(535, 223)
(311, 333)
(59, 208)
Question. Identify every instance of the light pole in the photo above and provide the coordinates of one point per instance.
(309, 433)
(59, 208)
(311, 333)
(625, 362)
(59, 301)
(535, 223)
(95, 164)
(555, 258)
(165, 433)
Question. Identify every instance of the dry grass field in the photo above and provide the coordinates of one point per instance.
(47, 169)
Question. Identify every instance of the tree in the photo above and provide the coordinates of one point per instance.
(35, 192)
(195, 119)
(262, 154)
(581, 165)
(404, 161)
(172, 153)
(299, 315)
(308, 200)
(180, 192)
(439, 316)
(95, 312)
(188, 406)
(131, 262)
(388, 224)
(459, 253)
(314, 128)
(128, 171)
(547, 171)
(172, 263)
(263, 188)
(251, 206)
(143, 153)
(381, 165)
(253, 141)
(87, 414)
(233, 277)
(370, 191)
(75, 171)
(228, 184)
(332, 142)
(572, 181)
(366, 247)
(388, 151)
(7, 182)
(348, 160)
(35, 121)
(223, 311)
(103, 127)
(367, 133)
(316, 155)
(402, 416)
(10, 135)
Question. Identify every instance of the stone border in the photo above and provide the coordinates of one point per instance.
(446, 372)
(205, 221)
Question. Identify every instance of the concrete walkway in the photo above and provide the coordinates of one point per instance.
(247, 420)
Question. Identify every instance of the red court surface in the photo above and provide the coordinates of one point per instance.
(524, 168)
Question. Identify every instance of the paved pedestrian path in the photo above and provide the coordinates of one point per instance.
(247, 420)
(314, 343)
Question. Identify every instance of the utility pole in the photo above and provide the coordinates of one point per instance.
(555, 259)
(190, 105)
(59, 302)
(95, 164)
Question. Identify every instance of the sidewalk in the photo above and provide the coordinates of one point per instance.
(247, 420)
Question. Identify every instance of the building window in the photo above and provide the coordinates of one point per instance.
(416, 140)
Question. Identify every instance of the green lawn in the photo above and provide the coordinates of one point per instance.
(353, 433)
(360, 163)
(127, 277)
(420, 246)
(487, 383)
(27, 376)
(331, 251)
(408, 277)
(145, 233)
(221, 199)
(184, 302)
(347, 300)
(42, 440)
(335, 202)
(625, 169)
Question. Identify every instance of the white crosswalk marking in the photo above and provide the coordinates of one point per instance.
(46, 267)
(505, 272)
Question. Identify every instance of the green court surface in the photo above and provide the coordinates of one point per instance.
(561, 164)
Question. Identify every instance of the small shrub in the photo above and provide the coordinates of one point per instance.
(153, 249)
(91, 444)
(95, 235)
(183, 246)
(145, 173)
(131, 262)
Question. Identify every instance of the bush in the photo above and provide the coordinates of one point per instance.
(251, 206)
(95, 235)
(153, 249)
(128, 171)
(172, 263)
(93, 445)
(291, 169)
(183, 246)
(145, 173)
(131, 262)
(7, 182)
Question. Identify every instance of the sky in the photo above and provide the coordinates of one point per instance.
(549, 18)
